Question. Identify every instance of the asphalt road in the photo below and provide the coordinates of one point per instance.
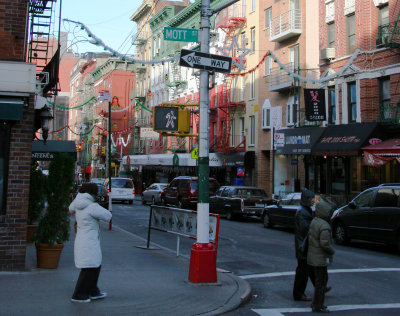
(364, 277)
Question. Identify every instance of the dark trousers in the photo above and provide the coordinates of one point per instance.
(303, 272)
(86, 285)
(321, 280)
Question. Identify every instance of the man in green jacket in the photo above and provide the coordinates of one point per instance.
(320, 253)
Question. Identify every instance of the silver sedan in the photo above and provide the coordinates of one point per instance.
(152, 194)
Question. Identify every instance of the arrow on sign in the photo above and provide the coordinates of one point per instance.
(205, 61)
(192, 59)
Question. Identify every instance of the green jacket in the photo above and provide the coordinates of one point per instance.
(320, 250)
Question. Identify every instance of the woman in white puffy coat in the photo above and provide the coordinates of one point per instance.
(87, 250)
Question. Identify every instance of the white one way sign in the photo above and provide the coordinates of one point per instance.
(193, 59)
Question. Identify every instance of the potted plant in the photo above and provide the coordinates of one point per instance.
(54, 226)
(36, 199)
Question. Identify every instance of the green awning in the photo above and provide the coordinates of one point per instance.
(11, 109)
(46, 151)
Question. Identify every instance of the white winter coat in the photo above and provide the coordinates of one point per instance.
(88, 213)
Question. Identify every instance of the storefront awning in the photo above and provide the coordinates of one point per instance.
(297, 141)
(346, 139)
(46, 151)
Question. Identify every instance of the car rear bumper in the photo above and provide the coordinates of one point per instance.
(253, 211)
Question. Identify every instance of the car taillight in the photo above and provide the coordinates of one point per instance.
(133, 191)
(242, 204)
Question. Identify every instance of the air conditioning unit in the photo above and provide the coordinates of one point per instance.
(328, 53)
(157, 51)
(382, 40)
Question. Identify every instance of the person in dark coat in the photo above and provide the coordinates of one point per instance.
(302, 222)
(320, 253)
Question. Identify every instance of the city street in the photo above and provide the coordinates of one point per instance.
(364, 277)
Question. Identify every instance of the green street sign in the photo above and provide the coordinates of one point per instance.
(181, 35)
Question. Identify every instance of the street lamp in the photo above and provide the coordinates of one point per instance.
(45, 117)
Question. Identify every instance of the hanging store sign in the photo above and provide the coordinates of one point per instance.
(315, 104)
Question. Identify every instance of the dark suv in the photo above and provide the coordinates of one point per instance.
(373, 215)
(183, 191)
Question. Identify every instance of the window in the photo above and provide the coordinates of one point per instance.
(387, 197)
(266, 115)
(384, 98)
(243, 39)
(253, 86)
(383, 22)
(291, 114)
(242, 85)
(364, 199)
(268, 65)
(332, 105)
(268, 18)
(241, 127)
(243, 8)
(352, 102)
(331, 35)
(351, 34)
(252, 130)
(294, 57)
(4, 153)
(232, 131)
(253, 5)
(253, 38)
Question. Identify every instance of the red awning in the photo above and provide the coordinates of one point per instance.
(390, 147)
(380, 154)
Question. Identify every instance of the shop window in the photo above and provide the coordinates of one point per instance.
(4, 153)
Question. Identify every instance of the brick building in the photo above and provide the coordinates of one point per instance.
(19, 120)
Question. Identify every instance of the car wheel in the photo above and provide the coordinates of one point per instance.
(339, 234)
(143, 201)
(230, 216)
(267, 221)
(153, 201)
(162, 200)
(180, 204)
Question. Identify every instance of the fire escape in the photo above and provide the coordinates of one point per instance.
(227, 104)
(43, 47)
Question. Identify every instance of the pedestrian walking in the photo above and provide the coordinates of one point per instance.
(87, 250)
(320, 253)
(303, 218)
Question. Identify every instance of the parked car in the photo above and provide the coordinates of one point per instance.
(153, 193)
(237, 201)
(122, 189)
(98, 180)
(183, 191)
(283, 212)
(373, 215)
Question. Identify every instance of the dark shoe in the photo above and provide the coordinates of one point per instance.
(99, 296)
(304, 298)
(321, 310)
(328, 288)
(80, 300)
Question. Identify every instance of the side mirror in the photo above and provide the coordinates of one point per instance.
(352, 205)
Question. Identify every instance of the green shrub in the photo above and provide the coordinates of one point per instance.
(36, 193)
(54, 226)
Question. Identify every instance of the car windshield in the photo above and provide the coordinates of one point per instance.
(162, 186)
(122, 183)
(251, 192)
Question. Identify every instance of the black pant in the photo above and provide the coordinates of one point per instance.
(303, 272)
(86, 285)
(321, 279)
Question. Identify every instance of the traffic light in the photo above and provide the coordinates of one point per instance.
(166, 77)
(171, 119)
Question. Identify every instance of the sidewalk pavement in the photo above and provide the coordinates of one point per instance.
(138, 282)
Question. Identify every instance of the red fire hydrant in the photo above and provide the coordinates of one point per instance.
(203, 263)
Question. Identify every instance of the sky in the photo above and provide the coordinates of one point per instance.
(108, 20)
